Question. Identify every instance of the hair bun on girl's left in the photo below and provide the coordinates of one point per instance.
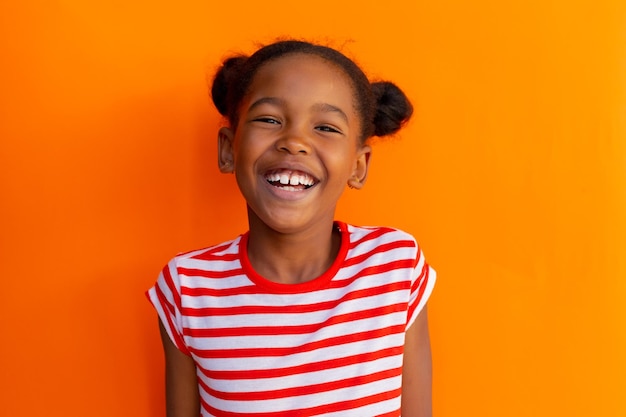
(393, 108)
(222, 82)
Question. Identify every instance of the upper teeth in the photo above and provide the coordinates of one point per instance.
(291, 178)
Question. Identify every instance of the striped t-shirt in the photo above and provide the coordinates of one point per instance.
(331, 346)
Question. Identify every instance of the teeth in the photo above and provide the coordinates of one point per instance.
(290, 178)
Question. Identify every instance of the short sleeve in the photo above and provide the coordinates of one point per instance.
(422, 284)
(165, 296)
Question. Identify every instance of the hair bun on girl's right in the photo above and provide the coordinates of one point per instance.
(393, 108)
(224, 76)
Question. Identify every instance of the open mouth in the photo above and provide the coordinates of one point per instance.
(290, 180)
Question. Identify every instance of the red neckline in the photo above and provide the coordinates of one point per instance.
(308, 286)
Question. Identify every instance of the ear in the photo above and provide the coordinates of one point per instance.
(225, 154)
(361, 166)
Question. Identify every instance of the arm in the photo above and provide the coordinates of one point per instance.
(417, 370)
(181, 383)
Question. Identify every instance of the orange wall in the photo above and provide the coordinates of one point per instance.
(512, 175)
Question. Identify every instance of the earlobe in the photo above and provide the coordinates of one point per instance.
(361, 167)
(225, 155)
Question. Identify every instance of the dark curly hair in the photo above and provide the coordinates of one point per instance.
(382, 106)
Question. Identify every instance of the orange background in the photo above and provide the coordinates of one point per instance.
(512, 175)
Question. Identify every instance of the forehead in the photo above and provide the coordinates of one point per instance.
(301, 75)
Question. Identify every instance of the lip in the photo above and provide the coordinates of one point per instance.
(289, 166)
(286, 194)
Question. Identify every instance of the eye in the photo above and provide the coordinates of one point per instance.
(328, 129)
(269, 120)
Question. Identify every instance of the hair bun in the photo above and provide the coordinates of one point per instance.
(393, 108)
(221, 82)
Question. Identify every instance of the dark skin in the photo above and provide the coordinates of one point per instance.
(297, 116)
(181, 384)
(417, 370)
(300, 257)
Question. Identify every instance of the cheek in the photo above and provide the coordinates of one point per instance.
(342, 163)
(248, 151)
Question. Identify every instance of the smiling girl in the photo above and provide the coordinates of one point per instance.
(302, 315)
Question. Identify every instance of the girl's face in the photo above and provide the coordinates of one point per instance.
(296, 145)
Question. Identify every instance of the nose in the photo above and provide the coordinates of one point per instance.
(294, 143)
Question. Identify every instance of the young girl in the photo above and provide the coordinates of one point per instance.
(302, 315)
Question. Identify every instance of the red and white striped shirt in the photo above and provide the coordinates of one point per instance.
(331, 346)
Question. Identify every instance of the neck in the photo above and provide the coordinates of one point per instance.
(292, 258)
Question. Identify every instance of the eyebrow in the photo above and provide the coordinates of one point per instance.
(318, 107)
(329, 108)
(269, 100)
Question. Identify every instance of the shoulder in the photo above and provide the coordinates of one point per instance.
(190, 273)
(381, 244)
(219, 252)
(204, 262)
(376, 235)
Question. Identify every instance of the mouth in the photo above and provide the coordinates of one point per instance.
(290, 180)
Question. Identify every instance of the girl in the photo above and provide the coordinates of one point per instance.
(301, 315)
